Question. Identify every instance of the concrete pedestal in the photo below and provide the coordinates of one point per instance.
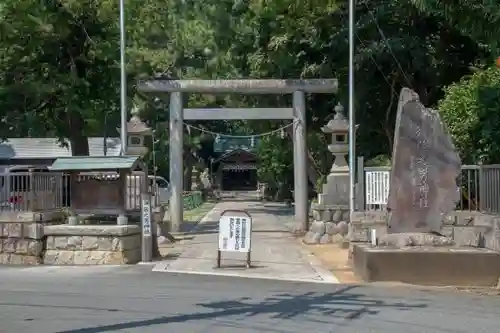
(438, 266)
(92, 244)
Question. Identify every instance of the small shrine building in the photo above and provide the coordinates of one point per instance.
(235, 169)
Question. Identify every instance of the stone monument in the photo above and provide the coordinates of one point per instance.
(331, 211)
(425, 166)
(423, 191)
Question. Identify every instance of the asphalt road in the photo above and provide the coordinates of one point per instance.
(134, 299)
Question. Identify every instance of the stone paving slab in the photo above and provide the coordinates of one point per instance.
(275, 252)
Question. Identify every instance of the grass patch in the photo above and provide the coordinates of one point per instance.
(191, 217)
(196, 214)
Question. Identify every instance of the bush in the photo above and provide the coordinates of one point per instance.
(471, 111)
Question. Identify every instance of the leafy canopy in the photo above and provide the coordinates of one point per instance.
(471, 109)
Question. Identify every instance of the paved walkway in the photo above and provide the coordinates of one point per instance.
(276, 254)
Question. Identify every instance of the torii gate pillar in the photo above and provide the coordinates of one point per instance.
(176, 163)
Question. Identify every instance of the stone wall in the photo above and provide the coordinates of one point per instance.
(92, 244)
(466, 228)
(329, 225)
(327, 233)
(21, 243)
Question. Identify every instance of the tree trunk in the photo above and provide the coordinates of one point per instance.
(79, 141)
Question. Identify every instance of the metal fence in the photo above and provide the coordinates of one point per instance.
(479, 188)
(50, 191)
(489, 188)
(31, 191)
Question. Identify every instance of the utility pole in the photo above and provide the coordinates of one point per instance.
(123, 81)
(352, 120)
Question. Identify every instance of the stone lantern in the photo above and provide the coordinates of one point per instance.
(336, 189)
(338, 128)
(331, 211)
(137, 131)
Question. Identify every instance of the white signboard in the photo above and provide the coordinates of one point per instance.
(146, 217)
(235, 233)
(377, 187)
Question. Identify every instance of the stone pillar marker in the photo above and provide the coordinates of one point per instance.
(137, 131)
(331, 212)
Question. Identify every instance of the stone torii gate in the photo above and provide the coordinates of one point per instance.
(298, 88)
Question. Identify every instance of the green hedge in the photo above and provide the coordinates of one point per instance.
(192, 200)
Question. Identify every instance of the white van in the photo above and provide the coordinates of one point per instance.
(157, 186)
(162, 189)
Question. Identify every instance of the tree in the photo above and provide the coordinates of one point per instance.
(397, 45)
(64, 79)
(58, 67)
(478, 19)
(471, 110)
(275, 168)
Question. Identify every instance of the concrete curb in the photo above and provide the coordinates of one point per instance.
(164, 269)
(322, 272)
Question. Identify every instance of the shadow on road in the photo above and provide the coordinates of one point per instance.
(342, 304)
(272, 209)
(211, 227)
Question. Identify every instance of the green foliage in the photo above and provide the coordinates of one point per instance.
(479, 19)
(471, 110)
(276, 167)
(320, 182)
(57, 67)
(380, 160)
(63, 80)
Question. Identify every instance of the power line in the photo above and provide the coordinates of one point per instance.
(386, 79)
(372, 58)
(382, 34)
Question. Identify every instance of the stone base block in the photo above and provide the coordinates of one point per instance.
(438, 266)
(92, 244)
(96, 257)
(401, 240)
(19, 259)
(326, 233)
(21, 243)
(39, 217)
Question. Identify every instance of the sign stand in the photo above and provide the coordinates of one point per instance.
(235, 234)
